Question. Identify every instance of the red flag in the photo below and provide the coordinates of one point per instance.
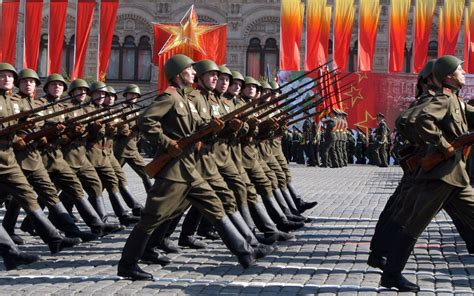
(314, 17)
(424, 11)
(108, 16)
(10, 9)
(323, 51)
(57, 24)
(399, 11)
(291, 28)
(84, 15)
(368, 22)
(33, 14)
(452, 18)
(344, 13)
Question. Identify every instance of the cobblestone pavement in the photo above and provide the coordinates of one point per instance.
(327, 257)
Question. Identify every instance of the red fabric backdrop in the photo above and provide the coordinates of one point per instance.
(85, 13)
(33, 14)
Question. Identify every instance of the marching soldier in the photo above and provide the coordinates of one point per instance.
(382, 134)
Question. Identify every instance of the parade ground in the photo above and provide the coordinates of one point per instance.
(327, 257)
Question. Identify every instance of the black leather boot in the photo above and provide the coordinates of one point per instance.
(301, 205)
(286, 210)
(206, 230)
(245, 212)
(12, 256)
(396, 261)
(265, 224)
(235, 242)
(9, 221)
(49, 234)
(245, 231)
(131, 201)
(98, 204)
(153, 256)
(279, 217)
(131, 253)
(382, 241)
(190, 224)
(289, 201)
(60, 217)
(119, 210)
(92, 219)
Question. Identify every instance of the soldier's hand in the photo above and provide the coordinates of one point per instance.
(127, 132)
(450, 151)
(59, 128)
(79, 129)
(19, 143)
(110, 129)
(217, 125)
(43, 141)
(29, 123)
(275, 123)
(236, 124)
(173, 149)
(198, 146)
(252, 122)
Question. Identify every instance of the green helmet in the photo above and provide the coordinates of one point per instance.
(266, 85)
(224, 70)
(204, 66)
(176, 64)
(444, 66)
(8, 67)
(78, 83)
(236, 75)
(54, 77)
(427, 69)
(274, 85)
(28, 73)
(111, 91)
(132, 88)
(250, 80)
(97, 86)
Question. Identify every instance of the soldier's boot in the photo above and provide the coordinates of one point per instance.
(190, 224)
(60, 218)
(92, 219)
(286, 210)
(396, 261)
(381, 242)
(245, 212)
(9, 221)
(245, 231)
(49, 234)
(12, 256)
(206, 230)
(291, 204)
(98, 203)
(278, 216)
(119, 210)
(301, 205)
(265, 224)
(152, 255)
(69, 206)
(27, 226)
(235, 242)
(166, 244)
(131, 253)
(131, 201)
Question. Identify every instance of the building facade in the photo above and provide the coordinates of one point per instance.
(252, 38)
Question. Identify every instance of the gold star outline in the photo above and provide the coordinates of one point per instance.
(364, 124)
(355, 94)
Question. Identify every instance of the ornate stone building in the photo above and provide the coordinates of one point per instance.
(252, 39)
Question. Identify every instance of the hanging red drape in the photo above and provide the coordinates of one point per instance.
(57, 24)
(369, 11)
(467, 41)
(33, 15)
(108, 16)
(344, 13)
(323, 52)
(452, 18)
(10, 9)
(291, 26)
(314, 18)
(441, 32)
(399, 11)
(424, 11)
(471, 39)
(84, 16)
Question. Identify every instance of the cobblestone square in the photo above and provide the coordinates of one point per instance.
(327, 257)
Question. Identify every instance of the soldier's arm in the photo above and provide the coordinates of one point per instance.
(149, 121)
(427, 119)
(470, 115)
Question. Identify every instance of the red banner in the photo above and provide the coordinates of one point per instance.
(424, 11)
(344, 13)
(399, 10)
(368, 22)
(452, 18)
(471, 39)
(200, 42)
(108, 16)
(291, 28)
(323, 52)
(10, 9)
(33, 15)
(84, 16)
(57, 24)
(440, 32)
(314, 17)
(467, 41)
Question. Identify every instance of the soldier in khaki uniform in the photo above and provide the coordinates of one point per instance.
(14, 182)
(169, 119)
(32, 166)
(97, 154)
(443, 119)
(381, 141)
(125, 148)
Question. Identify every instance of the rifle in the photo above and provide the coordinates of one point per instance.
(158, 163)
(431, 160)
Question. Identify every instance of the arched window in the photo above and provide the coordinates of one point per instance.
(43, 56)
(144, 58)
(432, 50)
(114, 60)
(270, 57)
(128, 58)
(254, 58)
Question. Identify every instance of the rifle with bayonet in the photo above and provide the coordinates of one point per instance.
(159, 162)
